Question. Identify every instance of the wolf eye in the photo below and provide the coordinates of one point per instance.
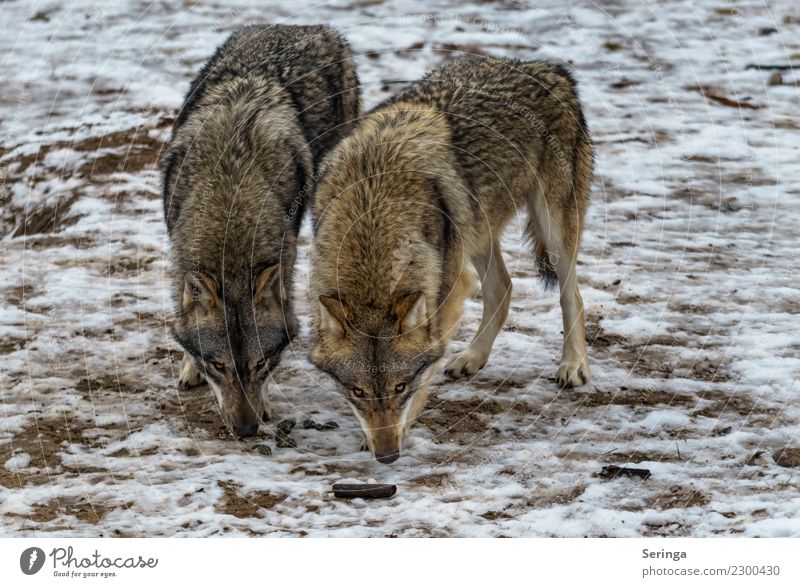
(218, 366)
(357, 391)
(261, 363)
(400, 388)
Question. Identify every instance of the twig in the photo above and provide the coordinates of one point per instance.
(613, 471)
(364, 490)
(760, 66)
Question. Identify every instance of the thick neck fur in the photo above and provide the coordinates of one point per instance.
(385, 234)
(244, 162)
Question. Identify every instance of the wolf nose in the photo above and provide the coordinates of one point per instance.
(246, 430)
(387, 458)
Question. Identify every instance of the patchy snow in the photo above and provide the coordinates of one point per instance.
(688, 270)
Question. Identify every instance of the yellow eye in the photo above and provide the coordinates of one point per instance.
(400, 388)
(358, 392)
(218, 366)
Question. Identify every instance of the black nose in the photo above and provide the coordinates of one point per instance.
(387, 458)
(245, 430)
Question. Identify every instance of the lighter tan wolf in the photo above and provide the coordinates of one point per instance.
(421, 190)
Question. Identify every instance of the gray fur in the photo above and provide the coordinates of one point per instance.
(257, 119)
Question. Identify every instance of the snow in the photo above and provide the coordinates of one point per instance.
(688, 270)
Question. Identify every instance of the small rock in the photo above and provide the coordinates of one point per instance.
(263, 449)
(751, 460)
(286, 442)
(787, 457)
(285, 427)
(765, 31)
(309, 424)
(776, 79)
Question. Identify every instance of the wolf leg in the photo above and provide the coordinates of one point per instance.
(266, 407)
(188, 375)
(415, 409)
(557, 250)
(574, 368)
(496, 288)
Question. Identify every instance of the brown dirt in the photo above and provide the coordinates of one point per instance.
(463, 421)
(129, 151)
(633, 397)
(543, 498)
(495, 515)
(250, 505)
(678, 496)
(140, 151)
(12, 344)
(787, 457)
(18, 294)
(433, 480)
(642, 457)
(81, 508)
(656, 358)
(709, 370)
(43, 439)
(36, 243)
(48, 217)
(724, 402)
(195, 408)
(137, 150)
(130, 265)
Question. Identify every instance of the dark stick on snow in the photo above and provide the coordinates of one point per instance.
(612, 472)
(363, 490)
(761, 66)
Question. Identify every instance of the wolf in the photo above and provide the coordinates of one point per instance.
(417, 194)
(237, 172)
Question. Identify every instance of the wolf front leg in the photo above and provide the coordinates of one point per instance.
(188, 376)
(496, 288)
(414, 409)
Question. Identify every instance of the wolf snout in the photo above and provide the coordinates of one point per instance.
(245, 424)
(246, 430)
(387, 458)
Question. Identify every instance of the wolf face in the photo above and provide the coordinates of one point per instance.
(235, 343)
(380, 361)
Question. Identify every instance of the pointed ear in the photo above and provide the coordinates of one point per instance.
(201, 289)
(268, 286)
(411, 312)
(333, 316)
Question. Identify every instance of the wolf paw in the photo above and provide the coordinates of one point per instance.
(573, 373)
(465, 364)
(364, 444)
(188, 376)
(266, 408)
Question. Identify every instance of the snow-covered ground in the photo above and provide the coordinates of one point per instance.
(689, 272)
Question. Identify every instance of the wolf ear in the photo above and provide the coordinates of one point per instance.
(333, 316)
(268, 286)
(411, 311)
(199, 288)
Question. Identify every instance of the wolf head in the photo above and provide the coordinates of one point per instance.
(380, 359)
(236, 341)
